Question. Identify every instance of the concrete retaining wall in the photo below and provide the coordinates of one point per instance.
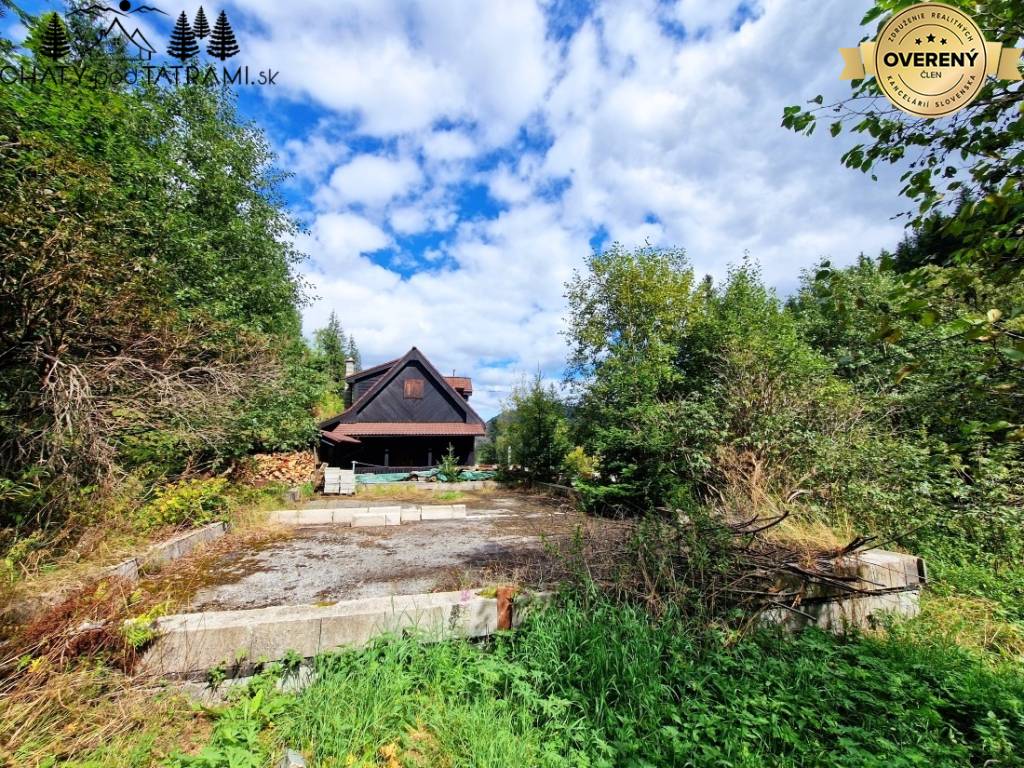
(856, 595)
(167, 551)
(357, 517)
(188, 645)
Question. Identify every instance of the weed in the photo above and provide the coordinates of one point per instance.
(191, 502)
(138, 631)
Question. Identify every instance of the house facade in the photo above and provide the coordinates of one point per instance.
(402, 414)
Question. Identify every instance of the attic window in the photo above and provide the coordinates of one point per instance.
(413, 389)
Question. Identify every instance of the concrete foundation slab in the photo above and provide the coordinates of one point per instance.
(191, 644)
(316, 564)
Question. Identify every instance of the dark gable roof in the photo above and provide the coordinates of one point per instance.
(393, 368)
(368, 371)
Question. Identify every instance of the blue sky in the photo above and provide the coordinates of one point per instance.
(454, 161)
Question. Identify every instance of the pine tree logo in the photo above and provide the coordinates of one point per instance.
(54, 43)
(183, 40)
(222, 40)
(200, 25)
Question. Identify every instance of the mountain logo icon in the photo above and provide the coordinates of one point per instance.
(135, 43)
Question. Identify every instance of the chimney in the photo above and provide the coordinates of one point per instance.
(350, 366)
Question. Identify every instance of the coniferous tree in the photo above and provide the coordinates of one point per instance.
(201, 27)
(330, 343)
(353, 352)
(222, 40)
(54, 43)
(183, 40)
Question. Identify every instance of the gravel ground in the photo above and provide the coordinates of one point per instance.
(505, 538)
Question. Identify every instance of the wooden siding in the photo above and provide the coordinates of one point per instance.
(362, 385)
(400, 451)
(436, 405)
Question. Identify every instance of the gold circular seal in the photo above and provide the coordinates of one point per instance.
(930, 60)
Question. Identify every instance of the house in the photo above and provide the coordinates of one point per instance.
(402, 414)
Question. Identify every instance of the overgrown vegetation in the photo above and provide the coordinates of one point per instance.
(879, 405)
(597, 684)
(134, 339)
(151, 328)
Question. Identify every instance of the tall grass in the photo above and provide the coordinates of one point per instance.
(591, 683)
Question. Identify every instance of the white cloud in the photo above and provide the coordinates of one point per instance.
(415, 219)
(337, 240)
(398, 67)
(311, 157)
(371, 180)
(654, 122)
(449, 145)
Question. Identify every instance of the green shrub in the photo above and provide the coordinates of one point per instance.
(187, 503)
(579, 466)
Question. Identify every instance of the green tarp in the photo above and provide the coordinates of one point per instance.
(398, 477)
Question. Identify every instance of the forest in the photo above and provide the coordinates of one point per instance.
(150, 341)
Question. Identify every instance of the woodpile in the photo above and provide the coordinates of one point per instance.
(278, 468)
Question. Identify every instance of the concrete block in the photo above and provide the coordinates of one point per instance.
(129, 569)
(369, 520)
(344, 515)
(841, 615)
(272, 640)
(315, 517)
(188, 645)
(458, 511)
(889, 570)
(284, 516)
(392, 515)
(436, 512)
(179, 546)
(192, 643)
(410, 514)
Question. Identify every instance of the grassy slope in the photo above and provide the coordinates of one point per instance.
(602, 685)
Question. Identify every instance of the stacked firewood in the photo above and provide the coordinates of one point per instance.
(279, 468)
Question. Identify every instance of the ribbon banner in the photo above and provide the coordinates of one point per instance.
(1002, 63)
